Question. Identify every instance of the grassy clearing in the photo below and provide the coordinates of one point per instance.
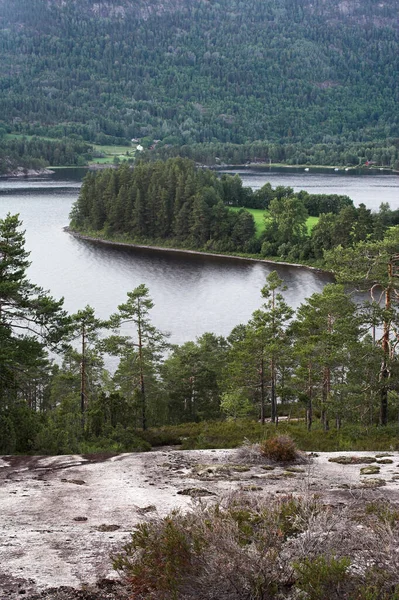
(108, 160)
(108, 154)
(311, 222)
(113, 150)
(259, 217)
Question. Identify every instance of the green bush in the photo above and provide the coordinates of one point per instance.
(324, 577)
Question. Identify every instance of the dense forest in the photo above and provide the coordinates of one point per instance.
(173, 203)
(331, 364)
(293, 81)
(37, 153)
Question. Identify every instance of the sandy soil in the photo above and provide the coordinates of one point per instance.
(62, 517)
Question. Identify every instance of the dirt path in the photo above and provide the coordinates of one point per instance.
(61, 517)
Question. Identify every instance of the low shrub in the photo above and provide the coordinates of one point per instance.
(280, 448)
(230, 551)
(324, 577)
(248, 547)
(159, 557)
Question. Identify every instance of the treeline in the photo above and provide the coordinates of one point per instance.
(334, 151)
(37, 153)
(323, 363)
(176, 204)
(291, 72)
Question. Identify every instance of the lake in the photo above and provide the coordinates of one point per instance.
(369, 188)
(192, 294)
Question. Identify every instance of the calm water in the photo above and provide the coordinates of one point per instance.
(192, 294)
(371, 189)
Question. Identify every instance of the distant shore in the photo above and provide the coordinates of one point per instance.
(365, 169)
(195, 252)
(21, 172)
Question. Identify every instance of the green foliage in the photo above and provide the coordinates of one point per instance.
(286, 229)
(235, 405)
(318, 366)
(323, 577)
(7, 435)
(175, 204)
(191, 377)
(140, 357)
(259, 353)
(30, 322)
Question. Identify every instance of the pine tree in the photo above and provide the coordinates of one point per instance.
(30, 323)
(140, 354)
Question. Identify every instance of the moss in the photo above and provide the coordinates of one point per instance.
(295, 470)
(352, 460)
(195, 492)
(383, 455)
(105, 527)
(370, 470)
(374, 483)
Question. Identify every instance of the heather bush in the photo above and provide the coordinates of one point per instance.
(226, 551)
(257, 548)
(324, 577)
(280, 448)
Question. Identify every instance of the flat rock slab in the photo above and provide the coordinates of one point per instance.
(62, 517)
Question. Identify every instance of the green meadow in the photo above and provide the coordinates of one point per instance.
(107, 154)
(259, 217)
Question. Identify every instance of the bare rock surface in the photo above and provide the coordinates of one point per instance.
(62, 517)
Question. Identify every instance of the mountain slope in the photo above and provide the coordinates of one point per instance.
(187, 71)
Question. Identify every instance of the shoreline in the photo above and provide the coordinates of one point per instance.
(20, 172)
(342, 170)
(89, 238)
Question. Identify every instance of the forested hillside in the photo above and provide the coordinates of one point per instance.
(290, 73)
